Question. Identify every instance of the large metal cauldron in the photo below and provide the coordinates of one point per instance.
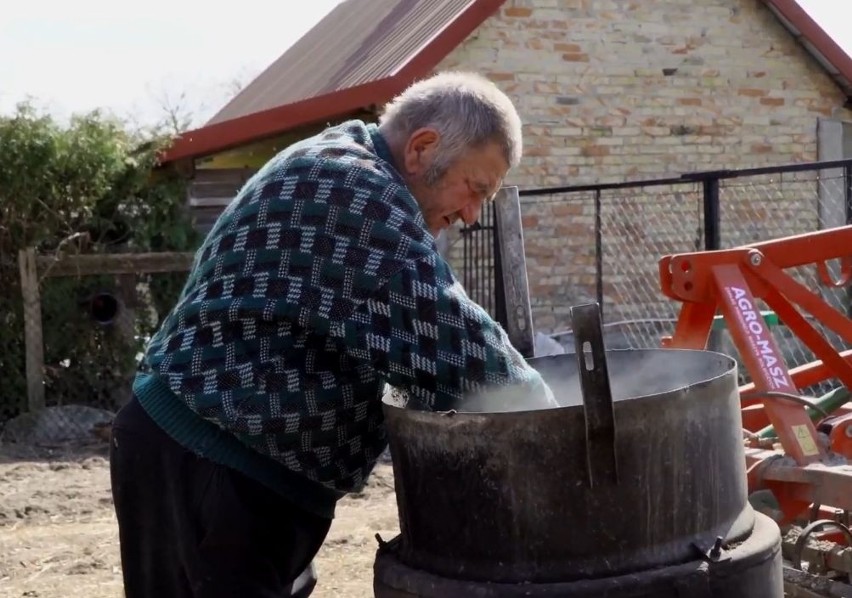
(641, 467)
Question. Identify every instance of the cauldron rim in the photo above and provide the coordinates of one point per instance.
(726, 364)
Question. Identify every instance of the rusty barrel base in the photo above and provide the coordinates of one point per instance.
(752, 569)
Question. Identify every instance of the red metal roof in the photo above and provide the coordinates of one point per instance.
(361, 54)
(366, 51)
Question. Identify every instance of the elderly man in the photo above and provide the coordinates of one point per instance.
(258, 405)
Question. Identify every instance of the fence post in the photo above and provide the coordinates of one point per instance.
(712, 218)
(499, 289)
(34, 342)
(847, 196)
(507, 220)
(712, 241)
(599, 252)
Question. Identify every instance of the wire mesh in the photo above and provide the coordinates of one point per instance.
(83, 337)
(766, 207)
(604, 243)
(639, 226)
(601, 246)
(591, 244)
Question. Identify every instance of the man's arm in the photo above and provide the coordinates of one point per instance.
(424, 335)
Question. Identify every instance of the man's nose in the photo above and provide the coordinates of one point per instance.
(471, 212)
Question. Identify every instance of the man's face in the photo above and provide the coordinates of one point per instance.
(458, 194)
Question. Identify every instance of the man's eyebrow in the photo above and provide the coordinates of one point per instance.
(494, 187)
(478, 185)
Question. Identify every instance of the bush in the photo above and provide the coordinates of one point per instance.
(91, 185)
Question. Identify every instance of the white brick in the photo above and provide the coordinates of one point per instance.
(621, 128)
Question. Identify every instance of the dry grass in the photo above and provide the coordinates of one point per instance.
(58, 536)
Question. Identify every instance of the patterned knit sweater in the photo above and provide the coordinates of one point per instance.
(318, 285)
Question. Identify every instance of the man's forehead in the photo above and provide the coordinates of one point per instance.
(491, 175)
(492, 153)
(489, 161)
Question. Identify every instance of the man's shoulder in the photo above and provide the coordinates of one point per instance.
(344, 146)
(335, 185)
(342, 158)
(341, 169)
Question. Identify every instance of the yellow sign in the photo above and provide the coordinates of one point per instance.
(806, 440)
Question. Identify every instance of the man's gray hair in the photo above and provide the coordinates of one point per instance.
(466, 109)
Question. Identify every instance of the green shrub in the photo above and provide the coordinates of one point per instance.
(90, 185)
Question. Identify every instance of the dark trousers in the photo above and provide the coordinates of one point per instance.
(189, 527)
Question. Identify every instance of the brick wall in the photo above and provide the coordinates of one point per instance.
(611, 90)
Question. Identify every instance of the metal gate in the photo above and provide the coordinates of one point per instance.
(481, 269)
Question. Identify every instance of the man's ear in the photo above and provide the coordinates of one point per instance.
(420, 150)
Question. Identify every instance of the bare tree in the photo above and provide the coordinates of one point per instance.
(183, 105)
(238, 82)
(176, 110)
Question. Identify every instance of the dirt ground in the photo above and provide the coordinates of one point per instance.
(58, 535)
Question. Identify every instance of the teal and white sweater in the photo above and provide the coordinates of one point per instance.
(318, 285)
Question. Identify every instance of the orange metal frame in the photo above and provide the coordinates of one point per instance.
(808, 472)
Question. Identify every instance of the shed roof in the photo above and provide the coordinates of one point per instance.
(366, 51)
(361, 54)
(816, 41)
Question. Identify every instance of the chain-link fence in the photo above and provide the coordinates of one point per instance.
(592, 243)
(84, 321)
(603, 243)
(597, 243)
(760, 206)
(609, 253)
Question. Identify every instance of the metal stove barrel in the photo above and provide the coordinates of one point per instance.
(604, 488)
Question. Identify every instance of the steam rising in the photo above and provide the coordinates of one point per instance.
(632, 374)
(509, 398)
